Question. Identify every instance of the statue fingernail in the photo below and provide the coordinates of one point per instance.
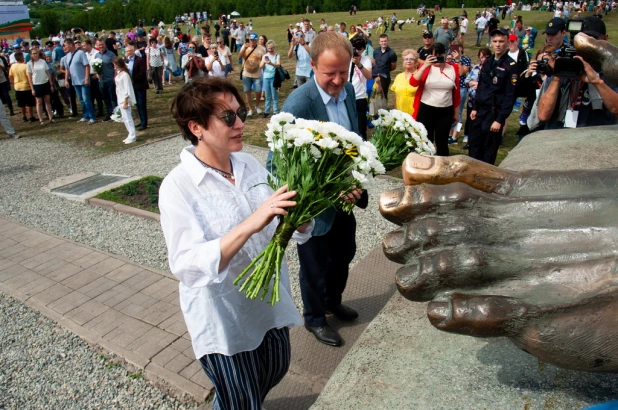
(390, 199)
(438, 312)
(421, 162)
(394, 239)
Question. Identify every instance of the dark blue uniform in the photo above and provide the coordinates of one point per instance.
(494, 101)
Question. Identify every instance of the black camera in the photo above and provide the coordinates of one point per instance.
(216, 54)
(356, 53)
(567, 66)
(543, 67)
(440, 59)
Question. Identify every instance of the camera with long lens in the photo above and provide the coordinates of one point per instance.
(567, 66)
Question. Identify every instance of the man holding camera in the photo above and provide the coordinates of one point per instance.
(494, 101)
(300, 49)
(360, 72)
(586, 101)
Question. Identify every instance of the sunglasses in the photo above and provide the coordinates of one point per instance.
(229, 116)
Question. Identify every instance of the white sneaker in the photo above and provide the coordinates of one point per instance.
(258, 110)
(16, 136)
(91, 122)
(465, 139)
(83, 120)
(249, 113)
(129, 140)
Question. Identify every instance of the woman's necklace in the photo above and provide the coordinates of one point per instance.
(224, 174)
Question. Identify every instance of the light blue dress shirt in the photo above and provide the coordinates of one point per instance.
(336, 110)
(130, 62)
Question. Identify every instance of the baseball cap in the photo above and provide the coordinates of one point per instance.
(594, 27)
(529, 28)
(253, 36)
(55, 39)
(554, 26)
(427, 34)
(25, 43)
(513, 37)
(36, 43)
(297, 24)
(498, 32)
(16, 46)
(48, 53)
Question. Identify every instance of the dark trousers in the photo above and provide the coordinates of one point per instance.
(108, 90)
(243, 380)
(142, 110)
(157, 78)
(385, 83)
(96, 96)
(361, 109)
(484, 144)
(56, 103)
(437, 121)
(324, 267)
(73, 97)
(5, 95)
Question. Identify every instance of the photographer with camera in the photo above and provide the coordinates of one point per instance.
(300, 49)
(360, 72)
(436, 103)
(574, 95)
(495, 96)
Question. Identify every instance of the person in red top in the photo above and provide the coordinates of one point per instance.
(436, 104)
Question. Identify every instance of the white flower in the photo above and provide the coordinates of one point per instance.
(315, 152)
(284, 117)
(327, 143)
(302, 137)
(362, 178)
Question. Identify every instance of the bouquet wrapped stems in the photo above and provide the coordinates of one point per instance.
(322, 162)
(267, 264)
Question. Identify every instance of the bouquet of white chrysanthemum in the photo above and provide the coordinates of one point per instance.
(97, 65)
(322, 162)
(396, 135)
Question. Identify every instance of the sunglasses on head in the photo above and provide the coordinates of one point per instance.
(229, 116)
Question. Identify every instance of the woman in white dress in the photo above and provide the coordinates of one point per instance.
(215, 62)
(126, 97)
(217, 214)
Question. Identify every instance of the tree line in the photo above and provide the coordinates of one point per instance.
(118, 13)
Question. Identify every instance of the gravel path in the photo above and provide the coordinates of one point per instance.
(26, 165)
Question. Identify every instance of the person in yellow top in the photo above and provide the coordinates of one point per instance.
(404, 92)
(18, 76)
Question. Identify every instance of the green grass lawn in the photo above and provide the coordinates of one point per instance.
(142, 193)
(104, 138)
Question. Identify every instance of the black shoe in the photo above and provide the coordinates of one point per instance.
(265, 115)
(107, 119)
(325, 334)
(142, 128)
(32, 119)
(343, 312)
(295, 86)
(466, 147)
(24, 119)
(451, 141)
(12, 113)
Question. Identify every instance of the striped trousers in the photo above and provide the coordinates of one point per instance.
(243, 380)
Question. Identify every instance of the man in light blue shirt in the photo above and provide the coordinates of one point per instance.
(325, 258)
(300, 49)
(78, 67)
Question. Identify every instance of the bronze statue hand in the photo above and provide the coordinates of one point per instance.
(528, 255)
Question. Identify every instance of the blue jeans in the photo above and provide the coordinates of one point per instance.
(252, 84)
(463, 92)
(272, 94)
(83, 93)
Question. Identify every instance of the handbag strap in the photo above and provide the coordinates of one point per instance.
(245, 59)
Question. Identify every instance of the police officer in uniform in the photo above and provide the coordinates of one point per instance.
(495, 97)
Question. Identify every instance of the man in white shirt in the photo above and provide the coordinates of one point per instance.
(300, 49)
(480, 23)
(360, 72)
(309, 32)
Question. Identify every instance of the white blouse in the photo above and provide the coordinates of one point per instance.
(198, 207)
(124, 88)
(438, 89)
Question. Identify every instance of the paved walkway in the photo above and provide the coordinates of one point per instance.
(134, 312)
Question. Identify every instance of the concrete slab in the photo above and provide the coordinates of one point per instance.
(402, 362)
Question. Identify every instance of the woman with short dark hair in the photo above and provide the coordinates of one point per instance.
(217, 213)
